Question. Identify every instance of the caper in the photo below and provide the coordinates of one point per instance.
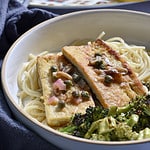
(108, 79)
(85, 94)
(60, 105)
(75, 94)
(98, 64)
(102, 66)
(53, 68)
(68, 83)
(82, 84)
(76, 77)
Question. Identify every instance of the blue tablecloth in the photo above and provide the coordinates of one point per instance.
(15, 19)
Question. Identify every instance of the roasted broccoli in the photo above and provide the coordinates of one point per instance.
(130, 122)
(141, 107)
(81, 123)
(109, 129)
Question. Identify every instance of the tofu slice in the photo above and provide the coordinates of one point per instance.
(109, 76)
(59, 117)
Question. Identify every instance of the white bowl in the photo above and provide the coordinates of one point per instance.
(52, 35)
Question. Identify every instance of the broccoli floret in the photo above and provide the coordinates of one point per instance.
(124, 132)
(143, 134)
(109, 129)
(133, 120)
(102, 128)
(130, 122)
(84, 121)
(81, 123)
(141, 107)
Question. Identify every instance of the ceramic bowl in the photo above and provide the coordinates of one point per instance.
(52, 35)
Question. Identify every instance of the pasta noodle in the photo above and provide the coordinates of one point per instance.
(30, 91)
(136, 56)
(36, 109)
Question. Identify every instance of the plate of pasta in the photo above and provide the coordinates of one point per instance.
(84, 83)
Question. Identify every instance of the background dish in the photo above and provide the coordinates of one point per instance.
(63, 3)
(66, 6)
(52, 35)
(77, 3)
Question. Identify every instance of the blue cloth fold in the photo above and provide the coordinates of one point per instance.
(15, 19)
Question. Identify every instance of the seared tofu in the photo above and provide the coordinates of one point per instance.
(109, 76)
(63, 94)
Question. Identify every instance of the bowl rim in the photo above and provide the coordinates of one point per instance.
(12, 103)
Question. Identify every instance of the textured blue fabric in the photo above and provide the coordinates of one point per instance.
(15, 19)
(142, 6)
